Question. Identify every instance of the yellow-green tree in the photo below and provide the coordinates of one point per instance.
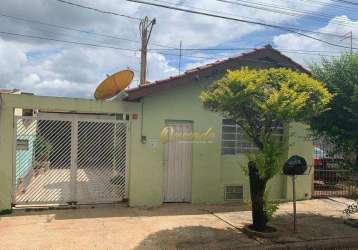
(261, 101)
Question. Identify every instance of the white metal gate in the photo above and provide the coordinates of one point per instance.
(69, 159)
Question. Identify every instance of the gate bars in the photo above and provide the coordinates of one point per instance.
(330, 179)
(69, 160)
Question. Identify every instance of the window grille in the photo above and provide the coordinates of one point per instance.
(236, 141)
(234, 192)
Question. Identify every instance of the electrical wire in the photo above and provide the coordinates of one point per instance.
(287, 11)
(242, 48)
(98, 10)
(79, 30)
(66, 41)
(122, 38)
(345, 2)
(66, 27)
(328, 4)
(165, 48)
(240, 20)
(118, 48)
(247, 18)
(91, 44)
(178, 49)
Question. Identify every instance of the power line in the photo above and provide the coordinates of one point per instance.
(56, 34)
(98, 10)
(239, 20)
(281, 50)
(329, 4)
(165, 48)
(243, 59)
(89, 44)
(241, 48)
(78, 30)
(289, 51)
(345, 2)
(120, 38)
(107, 36)
(303, 52)
(66, 27)
(247, 18)
(122, 49)
(162, 49)
(66, 41)
(287, 11)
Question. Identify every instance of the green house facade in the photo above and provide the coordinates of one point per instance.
(216, 165)
(175, 150)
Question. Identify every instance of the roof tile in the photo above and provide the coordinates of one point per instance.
(140, 91)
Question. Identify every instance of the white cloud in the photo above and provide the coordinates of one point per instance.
(297, 42)
(32, 78)
(158, 67)
(49, 68)
(12, 60)
(71, 71)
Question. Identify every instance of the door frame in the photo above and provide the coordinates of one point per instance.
(167, 123)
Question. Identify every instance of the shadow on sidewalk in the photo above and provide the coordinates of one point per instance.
(196, 237)
(313, 229)
(122, 210)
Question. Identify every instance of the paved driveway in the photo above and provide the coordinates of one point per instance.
(53, 186)
(166, 227)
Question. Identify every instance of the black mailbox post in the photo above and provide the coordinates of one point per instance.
(295, 165)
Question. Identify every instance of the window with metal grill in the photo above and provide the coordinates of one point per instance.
(234, 192)
(235, 141)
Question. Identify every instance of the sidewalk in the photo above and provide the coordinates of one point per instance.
(174, 226)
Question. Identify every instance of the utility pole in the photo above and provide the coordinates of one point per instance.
(145, 28)
(350, 36)
(180, 57)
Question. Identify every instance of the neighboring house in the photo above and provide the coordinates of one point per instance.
(8, 91)
(141, 149)
(18, 112)
(25, 143)
(204, 171)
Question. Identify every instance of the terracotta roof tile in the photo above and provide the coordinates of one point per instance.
(7, 91)
(140, 91)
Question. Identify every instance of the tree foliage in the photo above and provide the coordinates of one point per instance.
(351, 208)
(339, 123)
(261, 101)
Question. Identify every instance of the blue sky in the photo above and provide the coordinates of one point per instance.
(55, 68)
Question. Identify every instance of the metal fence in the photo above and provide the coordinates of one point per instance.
(330, 179)
(335, 183)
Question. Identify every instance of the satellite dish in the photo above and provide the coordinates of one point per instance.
(113, 84)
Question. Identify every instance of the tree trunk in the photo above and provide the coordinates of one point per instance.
(257, 190)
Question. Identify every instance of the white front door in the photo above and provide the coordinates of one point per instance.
(178, 163)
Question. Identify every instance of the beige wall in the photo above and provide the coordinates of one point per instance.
(9, 102)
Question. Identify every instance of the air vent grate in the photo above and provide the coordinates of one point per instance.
(234, 192)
